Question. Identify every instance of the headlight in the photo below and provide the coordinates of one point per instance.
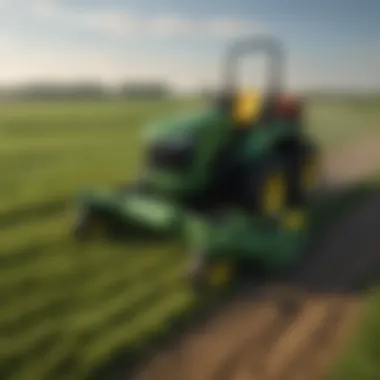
(175, 153)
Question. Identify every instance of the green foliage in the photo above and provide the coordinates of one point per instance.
(361, 359)
(66, 310)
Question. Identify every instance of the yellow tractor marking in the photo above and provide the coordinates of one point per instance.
(295, 220)
(274, 193)
(248, 107)
(220, 274)
(309, 173)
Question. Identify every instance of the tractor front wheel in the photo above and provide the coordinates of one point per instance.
(205, 275)
(88, 226)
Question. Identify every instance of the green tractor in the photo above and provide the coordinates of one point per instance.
(231, 180)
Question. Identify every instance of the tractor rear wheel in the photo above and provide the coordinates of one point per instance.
(267, 190)
(304, 174)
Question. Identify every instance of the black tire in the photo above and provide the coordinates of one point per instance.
(196, 274)
(199, 271)
(82, 229)
(80, 226)
(299, 193)
(256, 177)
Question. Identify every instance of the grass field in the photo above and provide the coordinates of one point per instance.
(65, 310)
(360, 360)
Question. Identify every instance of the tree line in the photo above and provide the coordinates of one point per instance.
(85, 90)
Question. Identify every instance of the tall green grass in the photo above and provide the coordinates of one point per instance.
(66, 310)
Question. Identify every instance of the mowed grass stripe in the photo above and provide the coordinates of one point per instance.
(31, 233)
(39, 154)
(43, 117)
(57, 261)
(46, 331)
(96, 272)
(63, 182)
(22, 147)
(127, 301)
(44, 365)
(132, 333)
(49, 267)
(128, 271)
(42, 153)
(81, 134)
(44, 209)
(23, 311)
(96, 257)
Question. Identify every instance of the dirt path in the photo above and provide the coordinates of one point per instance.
(349, 162)
(257, 338)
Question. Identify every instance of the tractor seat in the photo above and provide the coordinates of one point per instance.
(251, 106)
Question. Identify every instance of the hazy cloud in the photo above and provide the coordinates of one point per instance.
(23, 57)
(120, 23)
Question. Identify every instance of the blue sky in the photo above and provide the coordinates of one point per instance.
(330, 43)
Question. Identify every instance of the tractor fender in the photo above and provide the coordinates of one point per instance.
(262, 145)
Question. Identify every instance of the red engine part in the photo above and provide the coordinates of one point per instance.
(288, 106)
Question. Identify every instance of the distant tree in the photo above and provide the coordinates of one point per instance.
(144, 90)
(50, 90)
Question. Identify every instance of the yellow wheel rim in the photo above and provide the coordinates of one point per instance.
(274, 193)
(294, 220)
(220, 274)
(309, 174)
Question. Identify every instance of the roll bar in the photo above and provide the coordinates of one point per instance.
(268, 45)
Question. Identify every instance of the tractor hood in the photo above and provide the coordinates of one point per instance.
(179, 149)
(184, 125)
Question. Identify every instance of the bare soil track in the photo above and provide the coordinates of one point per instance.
(291, 328)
